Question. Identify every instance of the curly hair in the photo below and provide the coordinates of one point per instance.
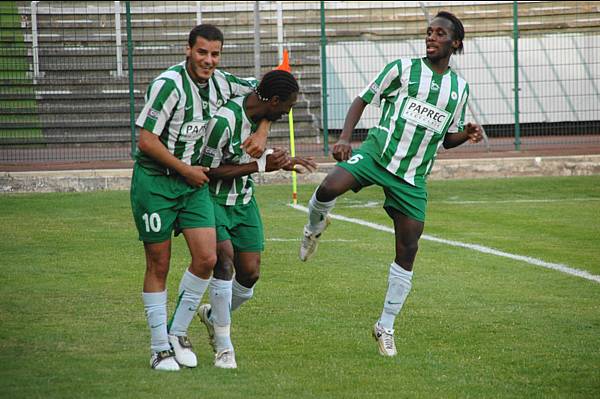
(277, 83)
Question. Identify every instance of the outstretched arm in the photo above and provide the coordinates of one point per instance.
(472, 133)
(301, 165)
(277, 160)
(342, 149)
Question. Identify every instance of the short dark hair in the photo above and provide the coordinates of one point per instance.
(207, 31)
(458, 29)
(277, 83)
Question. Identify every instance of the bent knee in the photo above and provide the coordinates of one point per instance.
(248, 279)
(409, 249)
(249, 274)
(224, 269)
(159, 272)
(204, 264)
(327, 191)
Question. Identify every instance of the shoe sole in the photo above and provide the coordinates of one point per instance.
(161, 369)
(226, 367)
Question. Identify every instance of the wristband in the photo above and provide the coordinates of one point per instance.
(262, 161)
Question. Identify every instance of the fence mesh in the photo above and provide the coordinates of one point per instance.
(65, 83)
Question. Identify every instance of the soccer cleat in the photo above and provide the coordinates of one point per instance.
(183, 351)
(385, 340)
(225, 359)
(164, 361)
(203, 312)
(310, 241)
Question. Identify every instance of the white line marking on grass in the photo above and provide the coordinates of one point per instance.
(475, 247)
(369, 204)
(518, 201)
(373, 204)
(298, 240)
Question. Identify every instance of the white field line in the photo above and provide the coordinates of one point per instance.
(479, 248)
(516, 201)
(298, 240)
(373, 204)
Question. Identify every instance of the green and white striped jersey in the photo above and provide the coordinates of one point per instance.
(225, 133)
(177, 109)
(419, 107)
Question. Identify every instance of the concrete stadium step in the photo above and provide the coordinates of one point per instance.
(145, 59)
(354, 20)
(122, 134)
(141, 76)
(65, 136)
(73, 107)
(99, 120)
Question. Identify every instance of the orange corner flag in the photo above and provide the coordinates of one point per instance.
(285, 64)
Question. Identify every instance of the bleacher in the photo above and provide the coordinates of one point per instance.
(80, 98)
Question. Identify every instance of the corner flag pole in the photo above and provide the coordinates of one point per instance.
(285, 66)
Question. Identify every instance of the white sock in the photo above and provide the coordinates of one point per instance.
(317, 211)
(399, 285)
(191, 290)
(220, 312)
(240, 295)
(223, 338)
(155, 306)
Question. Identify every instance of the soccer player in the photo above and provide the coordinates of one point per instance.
(423, 106)
(239, 226)
(169, 187)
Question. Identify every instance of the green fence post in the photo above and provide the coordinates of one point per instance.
(324, 81)
(516, 67)
(130, 65)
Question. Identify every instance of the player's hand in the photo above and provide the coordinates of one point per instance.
(342, 150)
(279, 159)
(255, 145)
(474, 132)
(196, 176)
(302, 165)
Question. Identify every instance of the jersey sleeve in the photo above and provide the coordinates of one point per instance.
(386, 82)
(240, 86)
(161, 99)
(458, 124)
(218, 133)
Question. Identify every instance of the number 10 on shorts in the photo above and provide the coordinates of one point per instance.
(152, 222)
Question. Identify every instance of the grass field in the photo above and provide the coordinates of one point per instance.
(475, 325)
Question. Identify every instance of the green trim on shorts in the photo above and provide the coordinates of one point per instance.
(242, 225)
(158, 201)
(399, 195)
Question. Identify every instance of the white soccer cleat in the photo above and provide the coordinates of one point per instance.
(164, 361)
(203, 312)
(225, 359)
(183, 351)
(385, 340)
(310, 241)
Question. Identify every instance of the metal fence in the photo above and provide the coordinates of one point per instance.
(74, 73)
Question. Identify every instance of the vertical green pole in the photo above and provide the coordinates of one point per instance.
(130, 64)
(516, 67)
(324, 81)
